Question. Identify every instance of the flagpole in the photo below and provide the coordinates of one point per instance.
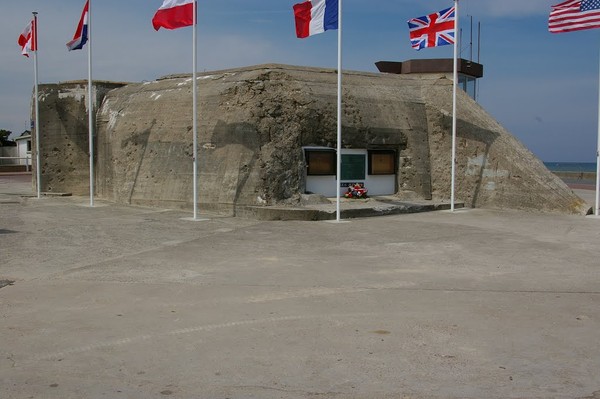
(37, 110)
(90, 105)
(195, 111)
(339, 114)
(454, 88)
(597, 210)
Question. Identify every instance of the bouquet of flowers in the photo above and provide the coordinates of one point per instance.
(356, 191)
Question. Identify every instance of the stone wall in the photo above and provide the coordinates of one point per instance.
(254, 121)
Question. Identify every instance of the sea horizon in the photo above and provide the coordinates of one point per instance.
(571, 166)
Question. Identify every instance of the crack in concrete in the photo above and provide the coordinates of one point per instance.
(5, 283)
(184, 331)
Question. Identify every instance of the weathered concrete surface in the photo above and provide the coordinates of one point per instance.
(349, 209)
(64, 143)
(254, 122)
(120, 301)
(493, 167)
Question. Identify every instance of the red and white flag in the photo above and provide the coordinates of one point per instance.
(28, 39)
(174, 14)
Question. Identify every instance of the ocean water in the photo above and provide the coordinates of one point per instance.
(571, 166)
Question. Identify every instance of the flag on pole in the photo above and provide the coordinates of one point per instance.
(80, 39)
(81, 34)
(315, 16)
(433, 30)
(174, 14)
(573, 15)
(28, 39)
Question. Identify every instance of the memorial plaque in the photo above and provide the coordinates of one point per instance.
(353, 166)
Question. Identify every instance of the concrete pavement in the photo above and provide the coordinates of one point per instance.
(129, 302)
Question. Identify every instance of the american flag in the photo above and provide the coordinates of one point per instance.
(573, 15)
(433, 30)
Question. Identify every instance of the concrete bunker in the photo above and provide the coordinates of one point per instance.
(257, 124)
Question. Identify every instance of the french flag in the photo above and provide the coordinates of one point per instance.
(315, 16)
(28, 39)
(81, 34)
(174, 14)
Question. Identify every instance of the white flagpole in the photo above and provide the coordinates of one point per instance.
(195, 111)
(37, 110)
(597, 211)
(454, 88)
(339, 114)
(90, 105)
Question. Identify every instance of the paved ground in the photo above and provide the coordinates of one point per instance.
(125, 302)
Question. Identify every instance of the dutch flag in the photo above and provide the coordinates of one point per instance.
(81, 34)
(315, 16)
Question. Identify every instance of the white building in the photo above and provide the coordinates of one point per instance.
(24, 148)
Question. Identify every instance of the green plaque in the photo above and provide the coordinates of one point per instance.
(353, 166)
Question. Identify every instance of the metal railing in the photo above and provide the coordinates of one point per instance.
(27, 162)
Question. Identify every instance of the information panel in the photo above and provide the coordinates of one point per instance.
(353, 166)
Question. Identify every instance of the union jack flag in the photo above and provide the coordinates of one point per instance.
(433, 30)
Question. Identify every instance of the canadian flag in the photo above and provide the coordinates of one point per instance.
(28, 39)
(174, 14)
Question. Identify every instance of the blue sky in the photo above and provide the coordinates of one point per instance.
(542, 87)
